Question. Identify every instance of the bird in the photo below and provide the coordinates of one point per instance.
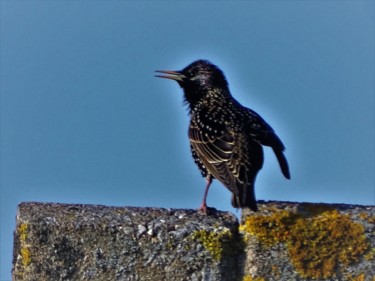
(226, 138)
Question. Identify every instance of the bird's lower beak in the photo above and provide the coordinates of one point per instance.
(173, 75)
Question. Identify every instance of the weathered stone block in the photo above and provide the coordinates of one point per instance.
(283, 241)
(306, 241)
(87, 242)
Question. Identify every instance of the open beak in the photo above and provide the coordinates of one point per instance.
(173, 75)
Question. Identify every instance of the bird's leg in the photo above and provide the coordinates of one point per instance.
(203, 207)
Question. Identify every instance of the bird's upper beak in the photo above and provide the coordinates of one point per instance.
(173, 75)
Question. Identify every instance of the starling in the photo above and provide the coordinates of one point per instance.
(226, 138)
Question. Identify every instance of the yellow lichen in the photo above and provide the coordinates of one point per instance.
(317, 242)
(314, 209)
(269, 229)
(360, 277)
(22, 230)
(276, 271)
(26, 256)
(370, 255)
(217, 243)
(249, 278)
(367, 217)
(25, 251)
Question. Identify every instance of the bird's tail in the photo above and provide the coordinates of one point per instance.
(245, 198)
(282, 162)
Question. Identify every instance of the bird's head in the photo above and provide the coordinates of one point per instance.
(197, 80)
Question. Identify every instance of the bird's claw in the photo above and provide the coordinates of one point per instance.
(203, 209)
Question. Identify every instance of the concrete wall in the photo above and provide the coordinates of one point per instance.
(283, 241)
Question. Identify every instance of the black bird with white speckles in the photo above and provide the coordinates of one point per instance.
(226, 138)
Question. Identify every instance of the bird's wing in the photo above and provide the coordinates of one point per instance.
(225, 154)
(265, 135)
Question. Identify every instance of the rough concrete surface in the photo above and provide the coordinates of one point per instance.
(283, 241)
(309, 241)
(89, 242)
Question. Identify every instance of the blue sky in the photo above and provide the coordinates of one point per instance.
(83, 119)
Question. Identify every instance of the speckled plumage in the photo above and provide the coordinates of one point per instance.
(226, 138)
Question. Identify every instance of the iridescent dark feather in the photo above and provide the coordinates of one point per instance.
(226, 138)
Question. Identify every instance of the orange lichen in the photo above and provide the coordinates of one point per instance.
(360, 277)
(317, 242)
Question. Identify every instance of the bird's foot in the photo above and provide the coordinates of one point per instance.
(205, 210)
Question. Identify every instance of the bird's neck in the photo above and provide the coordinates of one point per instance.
(214, 98)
